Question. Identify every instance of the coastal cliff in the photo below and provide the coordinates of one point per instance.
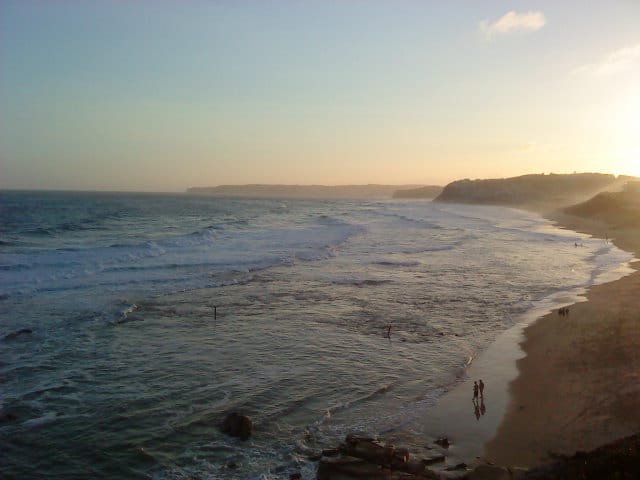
(553, 190)
(618, 209)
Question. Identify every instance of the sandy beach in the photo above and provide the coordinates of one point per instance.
(578, 385)
(555, 384)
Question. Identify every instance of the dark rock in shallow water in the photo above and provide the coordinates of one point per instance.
(459, 466)
(6, 417)
(331, 452)
(368, 449)
(443, 442)
(368, 459)
(237, 425)
(17, 333)
(433, 459)
(489, 472)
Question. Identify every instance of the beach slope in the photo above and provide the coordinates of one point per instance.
(579, 383)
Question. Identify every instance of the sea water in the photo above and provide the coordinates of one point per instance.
(153, 316)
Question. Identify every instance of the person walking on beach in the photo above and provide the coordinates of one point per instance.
(475, 391)
(481, 385)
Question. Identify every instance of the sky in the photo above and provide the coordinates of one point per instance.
(159, 95)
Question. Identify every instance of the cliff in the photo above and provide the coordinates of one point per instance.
(551, 191)
(618, 209)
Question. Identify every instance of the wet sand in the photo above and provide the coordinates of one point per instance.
(578, 385)
(554, 384)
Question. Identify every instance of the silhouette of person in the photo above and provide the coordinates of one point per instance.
(475, 391)
(481, 385)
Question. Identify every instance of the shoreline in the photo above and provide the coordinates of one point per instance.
(527, 366)
(578, 383)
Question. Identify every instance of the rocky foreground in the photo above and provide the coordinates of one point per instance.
(370, 459)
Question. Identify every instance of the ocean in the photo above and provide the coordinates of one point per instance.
(152, 316)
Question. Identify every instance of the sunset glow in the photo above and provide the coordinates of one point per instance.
(145, 96)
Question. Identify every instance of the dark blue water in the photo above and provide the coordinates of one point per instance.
(127, 374)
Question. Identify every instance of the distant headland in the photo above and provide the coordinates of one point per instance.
(306, 191)
(540, 191)
(535, 191)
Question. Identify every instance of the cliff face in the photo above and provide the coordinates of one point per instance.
(553, 190)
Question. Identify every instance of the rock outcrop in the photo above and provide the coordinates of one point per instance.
(369, 459)
(17, 333)
(237, 425)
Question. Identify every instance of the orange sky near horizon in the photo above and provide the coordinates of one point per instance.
(161, 97)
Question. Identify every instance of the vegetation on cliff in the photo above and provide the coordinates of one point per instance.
(537, 189)
(619, 209)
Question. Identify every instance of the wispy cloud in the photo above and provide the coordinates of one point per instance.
(614, 62)
(513, 22)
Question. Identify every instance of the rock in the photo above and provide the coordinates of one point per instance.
(433, 459)
(331, 452)
(348, 468)
(232, 465)
(368, 459)
(517, 472)
(17, 333)
(459, 466)
(295, 476)
(237, 425)
(415, 467)
(443, 442)
(489, 472)
(368, 449)
(7, 417)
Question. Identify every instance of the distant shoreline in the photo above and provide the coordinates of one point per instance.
(309, 192)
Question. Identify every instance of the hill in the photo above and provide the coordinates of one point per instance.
(535, 191)
(301, 191)
(618, 209)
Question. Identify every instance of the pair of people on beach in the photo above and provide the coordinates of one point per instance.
(478, 387)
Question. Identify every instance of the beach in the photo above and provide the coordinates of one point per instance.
(578, 384)
(555, 384)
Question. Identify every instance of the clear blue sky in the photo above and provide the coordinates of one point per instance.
(163, 95)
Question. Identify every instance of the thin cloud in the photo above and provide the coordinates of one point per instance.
(513, 22)
(614, 62)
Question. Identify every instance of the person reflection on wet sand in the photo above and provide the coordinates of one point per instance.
(476, 409)
(483, 409)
